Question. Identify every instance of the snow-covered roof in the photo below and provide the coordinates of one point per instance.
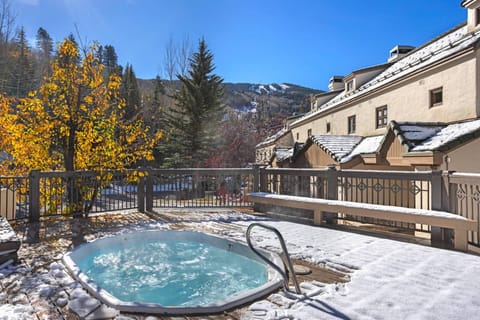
(337, 146)
(366, 146)
(412, 134)
(418, 136)
(271, 139)
(433, 51)
(283, 153)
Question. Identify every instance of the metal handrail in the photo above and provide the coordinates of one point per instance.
(273, 265)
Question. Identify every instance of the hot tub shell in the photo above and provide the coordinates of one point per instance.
(274, 281)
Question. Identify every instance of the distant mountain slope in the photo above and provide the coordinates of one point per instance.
(276, 98)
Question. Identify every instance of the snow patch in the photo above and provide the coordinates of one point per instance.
(16, 312)
(448, 134)
(418, 133)
(367, 145)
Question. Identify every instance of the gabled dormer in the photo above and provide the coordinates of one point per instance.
(473, 7)
(357, 78)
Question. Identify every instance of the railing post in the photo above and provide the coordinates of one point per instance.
(149, 190)
(34, 196)
(263, 179)
(258, 173)
(141, 194)
(332, 193)
(442, 237)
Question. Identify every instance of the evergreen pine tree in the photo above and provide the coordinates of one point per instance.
(99, 54)
(110, 60)
(131, 93)
(158, 91)
(45, 49)
(192, 126)
(7, 26)
(22, 80)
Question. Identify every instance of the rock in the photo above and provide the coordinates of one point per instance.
(104, 312)
(58, 274)
(61, 302)
(46, 290)
(78, 293)
(83, 305)
(55, 266)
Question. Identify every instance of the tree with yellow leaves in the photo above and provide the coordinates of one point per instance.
(73, 122)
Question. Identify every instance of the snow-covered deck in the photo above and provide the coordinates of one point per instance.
(386, 279)
(434, 218)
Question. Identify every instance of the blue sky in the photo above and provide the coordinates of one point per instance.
(261, 41)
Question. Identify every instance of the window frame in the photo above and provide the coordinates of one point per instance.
(309, 132)
(381, 117)
(352, 124)
(349, 85)
(433, 97)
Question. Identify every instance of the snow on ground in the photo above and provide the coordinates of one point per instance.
(6, 232)
(388, 279)
(16, 312)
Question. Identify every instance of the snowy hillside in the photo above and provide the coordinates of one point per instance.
(269, 88)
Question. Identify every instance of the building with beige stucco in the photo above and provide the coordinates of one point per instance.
(419, 110)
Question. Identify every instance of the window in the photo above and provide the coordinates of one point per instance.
(350, 85)
(381, 118)
(477, 16)
(309, 132)
(351, 124)
(328, 127)
(298, 136)
(436, 97)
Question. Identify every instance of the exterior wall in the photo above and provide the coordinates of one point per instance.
(408, 100)
(381, 167)
(313, 157)
(285, 140)
(263, 155)
(465, 158)
(323, 98)
(364, 77)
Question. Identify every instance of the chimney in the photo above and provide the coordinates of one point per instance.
(399, 52)
(473, 14)
(336, 83)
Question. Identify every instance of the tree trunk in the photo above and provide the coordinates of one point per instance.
(74, 196)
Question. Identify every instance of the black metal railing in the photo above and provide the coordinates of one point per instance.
(195, 188)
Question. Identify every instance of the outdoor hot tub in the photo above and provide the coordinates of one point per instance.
(172, 272)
